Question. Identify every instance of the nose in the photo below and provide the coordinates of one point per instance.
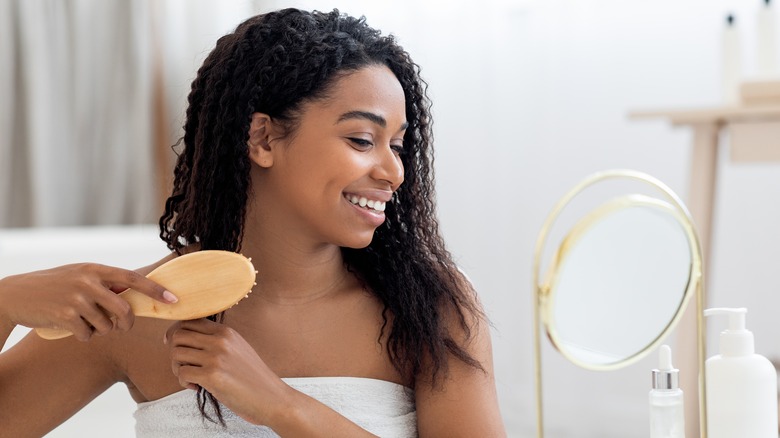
(388, 167)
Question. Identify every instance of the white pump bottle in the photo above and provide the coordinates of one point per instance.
(741, 385)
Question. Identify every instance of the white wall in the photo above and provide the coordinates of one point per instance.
(529, 98)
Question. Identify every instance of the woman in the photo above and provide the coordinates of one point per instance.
(307, 147)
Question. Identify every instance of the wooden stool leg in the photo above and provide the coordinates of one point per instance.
(701, 199)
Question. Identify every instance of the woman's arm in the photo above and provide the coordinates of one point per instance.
(43, 383)
(463, 403)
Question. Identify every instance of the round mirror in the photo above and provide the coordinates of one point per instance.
(619, 276)
(617, 281)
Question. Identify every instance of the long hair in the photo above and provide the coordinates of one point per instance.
(273, 63)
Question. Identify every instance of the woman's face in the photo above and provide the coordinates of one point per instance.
(331, 178)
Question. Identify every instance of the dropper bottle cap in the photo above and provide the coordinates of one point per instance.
(665, 376)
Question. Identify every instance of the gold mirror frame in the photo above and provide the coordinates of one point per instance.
(544, 290)
(580, 229)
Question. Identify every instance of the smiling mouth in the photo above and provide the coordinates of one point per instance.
(368, 204)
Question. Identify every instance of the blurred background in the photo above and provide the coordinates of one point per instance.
(529, 98)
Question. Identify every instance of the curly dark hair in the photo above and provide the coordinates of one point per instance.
(274, 63)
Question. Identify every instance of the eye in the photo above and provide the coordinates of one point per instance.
(361, 143)
(398, 148)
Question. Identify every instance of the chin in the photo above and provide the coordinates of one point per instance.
(358, 242)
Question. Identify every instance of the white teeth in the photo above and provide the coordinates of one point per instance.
(367, 203)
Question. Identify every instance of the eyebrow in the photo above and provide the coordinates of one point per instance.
(365, 115)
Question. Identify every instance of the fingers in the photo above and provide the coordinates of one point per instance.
(73, 319)
(184, 331)
(102, 309)
(84, 317)
(118, 279)
(116, 311)
(190, 340)
(207, 354)
(188, 356)
(189, 374)
(97, 309)
(100, 322)
(81, 330)
(119, 314)
(185, 356)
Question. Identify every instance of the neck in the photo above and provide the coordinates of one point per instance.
(291, 274)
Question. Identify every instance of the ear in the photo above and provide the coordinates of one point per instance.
(261, 130)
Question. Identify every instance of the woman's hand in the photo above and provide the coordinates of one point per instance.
(214, 356)
(81, 298)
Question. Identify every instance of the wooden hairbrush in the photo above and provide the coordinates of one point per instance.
(205, 282)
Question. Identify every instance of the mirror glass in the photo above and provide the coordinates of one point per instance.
(618, 280)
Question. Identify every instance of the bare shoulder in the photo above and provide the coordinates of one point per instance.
(463, 401)
(465, 320)
(145, 270)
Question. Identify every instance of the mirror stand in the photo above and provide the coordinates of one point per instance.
(544, 292)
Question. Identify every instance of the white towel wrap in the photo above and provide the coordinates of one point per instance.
(383, 408)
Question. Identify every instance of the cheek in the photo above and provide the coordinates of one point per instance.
(349, 165)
